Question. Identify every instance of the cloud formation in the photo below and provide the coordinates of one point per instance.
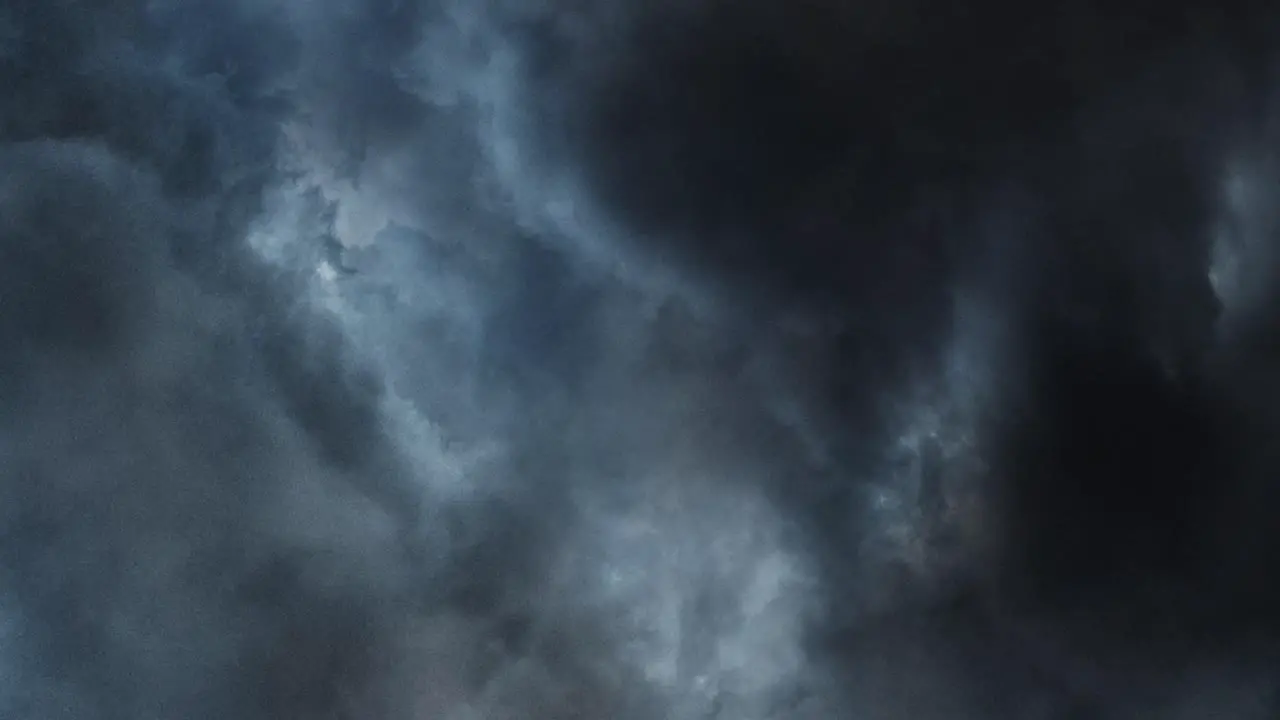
(396, 359)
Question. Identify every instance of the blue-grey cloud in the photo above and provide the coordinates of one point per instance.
(395, 359)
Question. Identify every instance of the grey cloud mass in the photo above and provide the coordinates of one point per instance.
(486, 360)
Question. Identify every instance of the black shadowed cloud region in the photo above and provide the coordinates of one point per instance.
(477, 359)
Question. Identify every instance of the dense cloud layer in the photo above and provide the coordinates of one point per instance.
(395, 359)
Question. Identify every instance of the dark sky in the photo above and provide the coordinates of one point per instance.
(553, 360)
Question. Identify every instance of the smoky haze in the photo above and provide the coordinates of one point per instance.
(475, 360)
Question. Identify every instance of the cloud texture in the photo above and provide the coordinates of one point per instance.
(487, 359)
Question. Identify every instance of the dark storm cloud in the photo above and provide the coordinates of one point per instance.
(235, 486)
(1064, 169)
(201, 515)
(489, 359)
(153, 463)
